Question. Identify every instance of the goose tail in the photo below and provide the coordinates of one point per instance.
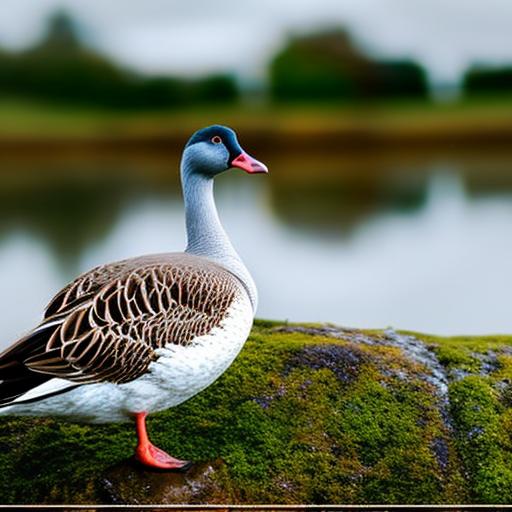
(18, 383)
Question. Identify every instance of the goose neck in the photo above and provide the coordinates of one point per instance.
(205, 234)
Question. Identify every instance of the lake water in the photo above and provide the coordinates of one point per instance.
(421, 242)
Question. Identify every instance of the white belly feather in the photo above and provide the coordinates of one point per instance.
(179, 373)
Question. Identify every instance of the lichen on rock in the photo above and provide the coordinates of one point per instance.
(306, 414)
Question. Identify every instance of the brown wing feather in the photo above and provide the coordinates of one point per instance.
(109, 321)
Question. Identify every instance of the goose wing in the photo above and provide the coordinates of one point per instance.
(106, 325)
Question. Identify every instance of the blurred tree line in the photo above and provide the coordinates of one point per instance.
(322, 66)
(327, 66)
(61, 68)
(487, 80)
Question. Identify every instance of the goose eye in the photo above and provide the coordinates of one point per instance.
(216, 140)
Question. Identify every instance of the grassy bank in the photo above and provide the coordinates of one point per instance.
(486, 121)
(305, 414)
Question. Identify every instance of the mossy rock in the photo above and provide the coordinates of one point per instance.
(306, 414)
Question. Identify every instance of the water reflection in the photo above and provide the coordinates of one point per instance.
(415, 244)
(335, 209)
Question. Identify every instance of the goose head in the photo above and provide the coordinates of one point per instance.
(216, 149)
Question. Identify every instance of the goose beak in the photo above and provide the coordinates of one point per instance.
(249, 164)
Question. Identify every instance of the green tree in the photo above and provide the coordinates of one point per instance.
(328, 66)
(480, 80)
(62, 69)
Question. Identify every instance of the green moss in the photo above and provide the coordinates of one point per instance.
(480, 398)
(504, 370)
(457, 358)
(301, 417)
(478, 344)
(260, 323)
(483, 438)
(43, 458)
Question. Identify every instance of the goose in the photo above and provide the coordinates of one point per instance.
(138, 336)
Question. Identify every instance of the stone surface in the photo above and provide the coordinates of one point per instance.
(129, 483)
(306, 414)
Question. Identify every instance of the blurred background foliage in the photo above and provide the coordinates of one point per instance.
(488, 80)
(327, 66)
(397, 185)
(321, 66)
(60, 68)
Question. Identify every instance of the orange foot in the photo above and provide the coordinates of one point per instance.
(153, 457)
(149, 455)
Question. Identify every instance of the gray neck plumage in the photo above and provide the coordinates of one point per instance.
(205, 235)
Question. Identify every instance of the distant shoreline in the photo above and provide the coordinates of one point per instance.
(336, 140)
(337, 128)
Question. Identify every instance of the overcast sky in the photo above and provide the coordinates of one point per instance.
(197, 36)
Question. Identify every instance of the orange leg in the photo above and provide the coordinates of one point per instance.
(148, 454)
